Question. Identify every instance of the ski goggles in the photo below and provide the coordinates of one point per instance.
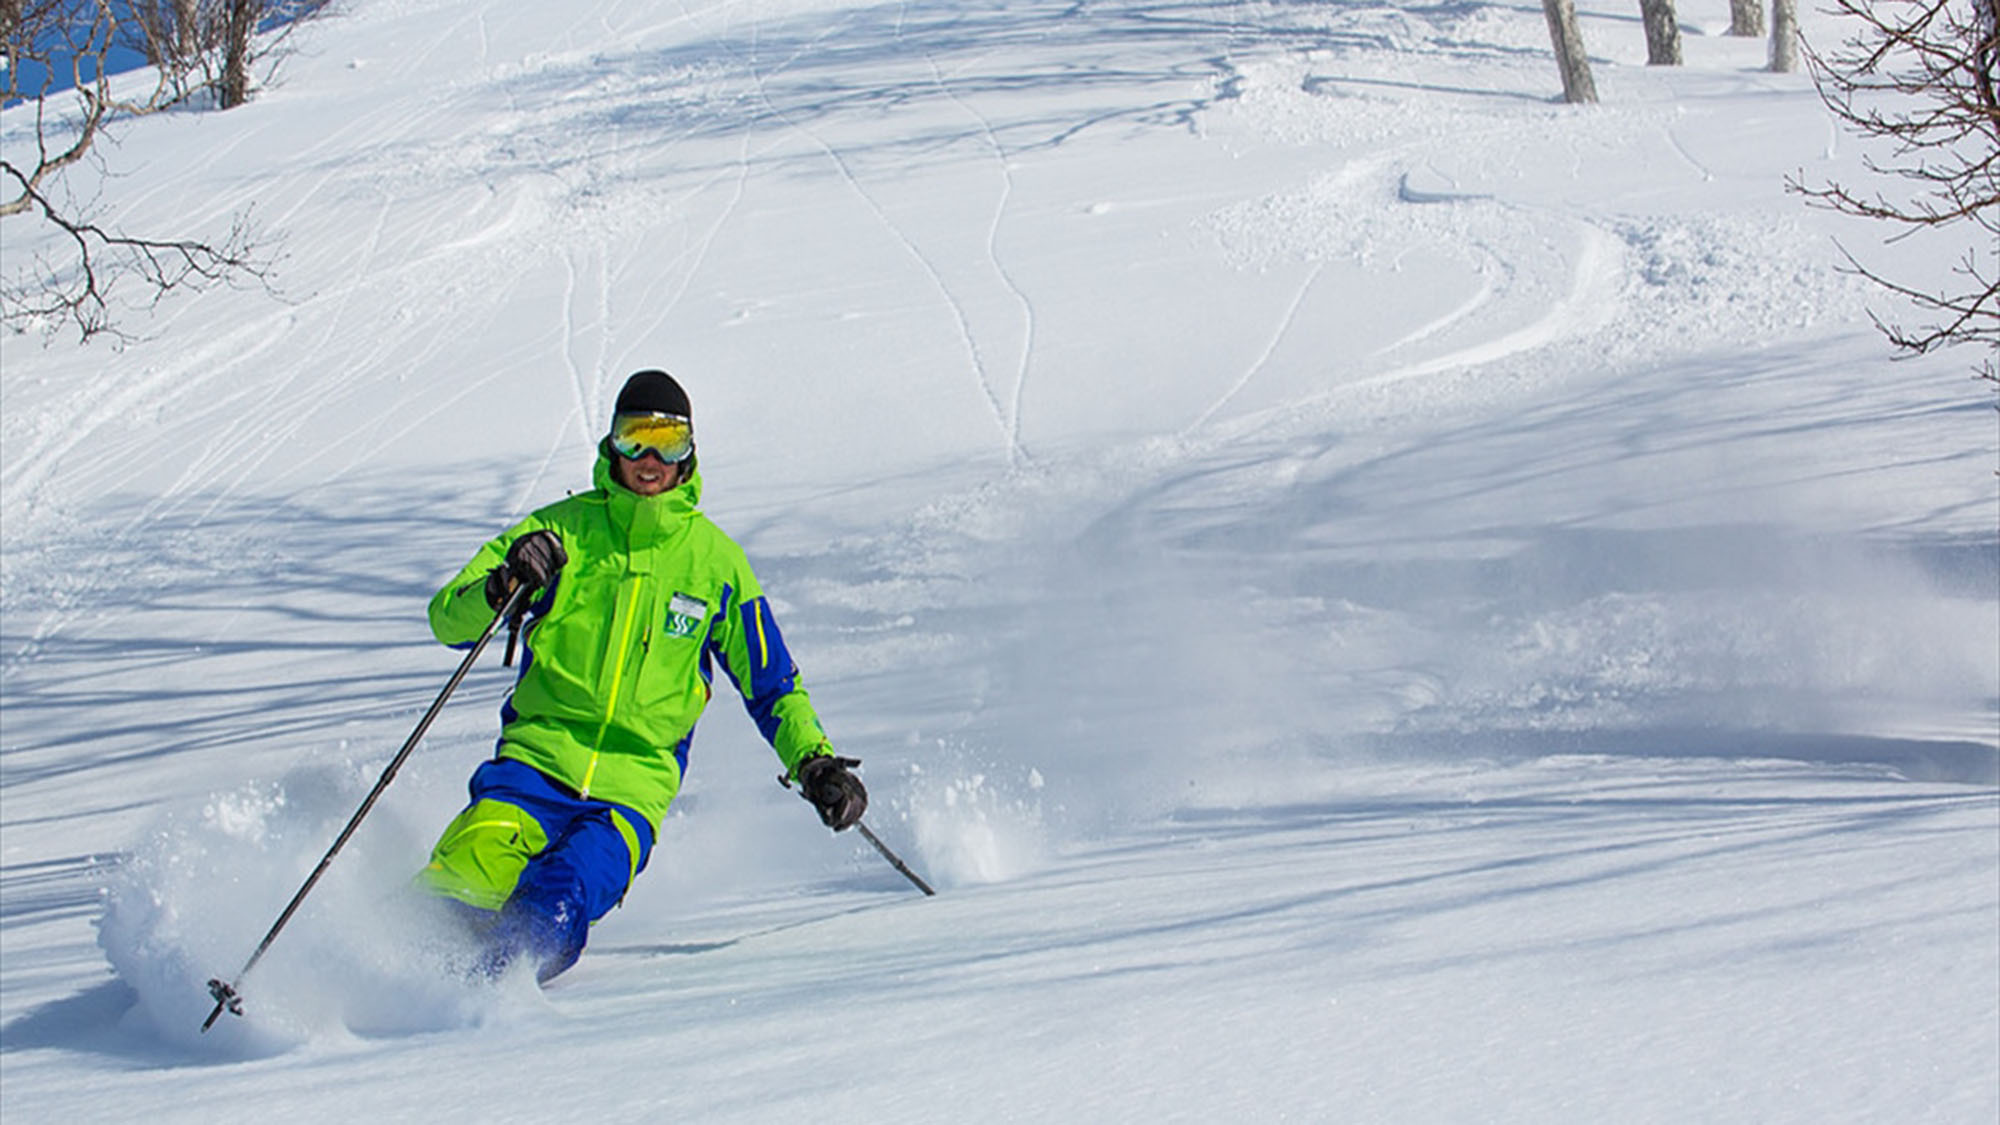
(669, 437)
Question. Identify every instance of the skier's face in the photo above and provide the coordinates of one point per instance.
(648, 475)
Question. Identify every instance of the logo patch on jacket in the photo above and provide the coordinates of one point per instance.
(685, 615)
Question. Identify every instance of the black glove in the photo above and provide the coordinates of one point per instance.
(838, 794)
(533, 561)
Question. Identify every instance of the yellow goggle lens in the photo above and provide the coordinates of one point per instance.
(669, 437)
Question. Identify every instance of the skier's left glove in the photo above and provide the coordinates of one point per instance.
(837, 794)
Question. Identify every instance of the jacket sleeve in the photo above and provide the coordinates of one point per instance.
(458, 612)
(753, 652)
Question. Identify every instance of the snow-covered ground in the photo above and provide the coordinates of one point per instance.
(1374, 594)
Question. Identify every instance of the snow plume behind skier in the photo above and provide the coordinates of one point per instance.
(360, 958)
(639, 598)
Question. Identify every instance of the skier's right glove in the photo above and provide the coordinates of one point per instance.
(837, 794)
(533, 561)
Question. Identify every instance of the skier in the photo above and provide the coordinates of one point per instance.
(637, 596)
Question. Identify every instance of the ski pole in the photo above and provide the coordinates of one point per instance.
(225, 994)
(895, 861)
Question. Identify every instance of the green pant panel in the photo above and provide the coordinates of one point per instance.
(480, 856)
(631, 837)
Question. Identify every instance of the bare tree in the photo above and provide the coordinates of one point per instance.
(169, 33)
(1746, 18)
(1571, 60)
(214, 45)
(239, 24)
(1663, 32)
(1784, 36)
(1920, 75)
(57, 68)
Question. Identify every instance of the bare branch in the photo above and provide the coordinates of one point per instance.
(1920, 76)
(79, 294)
(57, 60)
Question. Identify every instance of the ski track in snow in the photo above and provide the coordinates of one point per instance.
(1016, 452)
(974, 352)
(1590, 302)
(691, 263)
(1291, 314)
(1490, 265)
(580, 382)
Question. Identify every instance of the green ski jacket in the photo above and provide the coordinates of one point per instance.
(620, 648)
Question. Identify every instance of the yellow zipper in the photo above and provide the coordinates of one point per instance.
(617, 681)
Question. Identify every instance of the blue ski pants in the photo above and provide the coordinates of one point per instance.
(537, 863)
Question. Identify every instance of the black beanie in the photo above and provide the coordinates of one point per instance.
(653, 392)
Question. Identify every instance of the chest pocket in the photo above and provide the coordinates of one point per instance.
(670, 672)
(686, 616)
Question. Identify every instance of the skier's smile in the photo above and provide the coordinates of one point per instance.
(648, 475)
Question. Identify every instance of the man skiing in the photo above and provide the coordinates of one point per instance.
(636, 597)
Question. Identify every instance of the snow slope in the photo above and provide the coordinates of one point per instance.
(1375, 595)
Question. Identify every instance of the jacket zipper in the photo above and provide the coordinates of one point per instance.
(629, 608)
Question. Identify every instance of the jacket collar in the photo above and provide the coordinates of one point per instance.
(646, 520)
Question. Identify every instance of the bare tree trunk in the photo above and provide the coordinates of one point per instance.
(236, 52)
(1784, 36)
(1578, 87)
(187, 28)
(1663, 32)
(1746, 18)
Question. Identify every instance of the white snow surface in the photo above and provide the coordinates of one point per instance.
(1374, 594)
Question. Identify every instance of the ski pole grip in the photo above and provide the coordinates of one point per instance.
(513, 621)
